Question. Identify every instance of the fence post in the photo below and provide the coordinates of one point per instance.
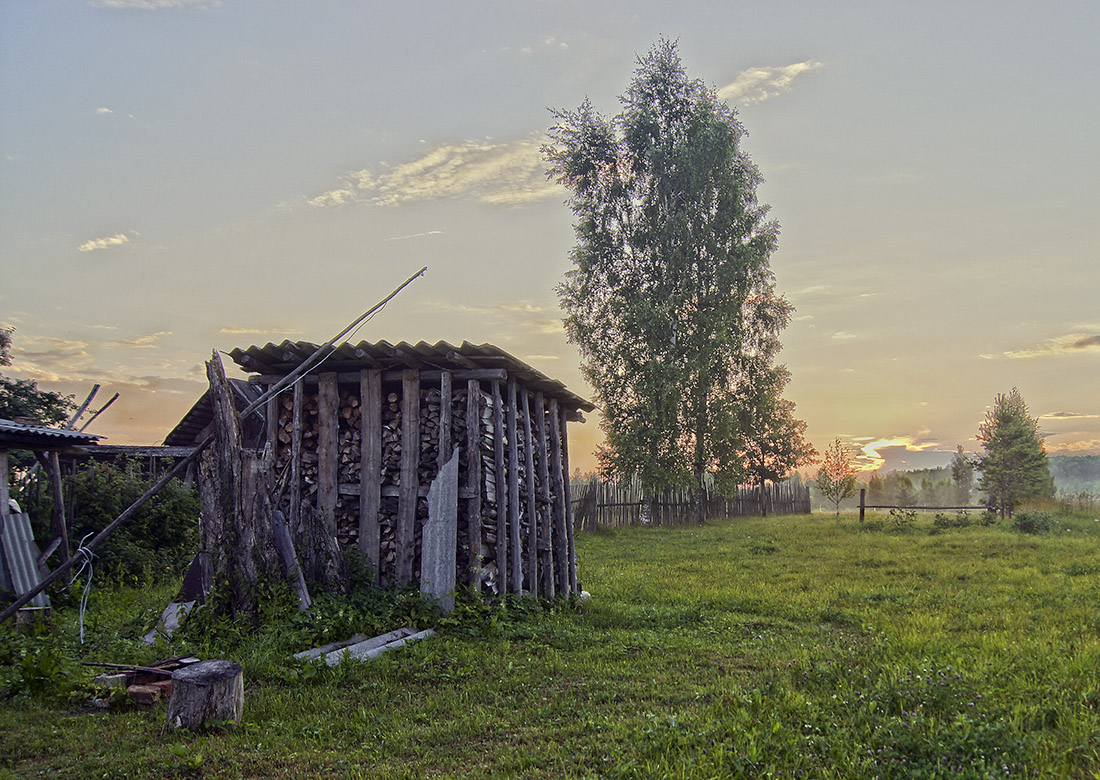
(862, 503)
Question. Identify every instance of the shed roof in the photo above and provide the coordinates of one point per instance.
(280, 359)
(22, 436)
(188, 430)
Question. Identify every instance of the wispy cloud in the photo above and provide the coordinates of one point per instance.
(118, 239)
(156, 5)
(842, 335)
(104, 110)
(141, 342)
(236, 331)
(872, 455)
(502, 174)
(1071, 343)
(1068, 416)
(759, 84)
(416, 235)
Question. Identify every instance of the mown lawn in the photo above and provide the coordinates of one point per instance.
(779, 647)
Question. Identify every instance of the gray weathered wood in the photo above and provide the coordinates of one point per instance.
(558, 506)
(438, 543)
(60, 526)
(568, 501)
(532, 514)
(515, 579)
(328, 431)
(285, 545)
(370, 466)
(296, 458)
(204, 692)
(271, 435)
(410, 460)
(473, 483)
(501, 490)
(546, 535)
(445, 392)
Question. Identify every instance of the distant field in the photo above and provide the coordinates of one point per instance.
(779, 647)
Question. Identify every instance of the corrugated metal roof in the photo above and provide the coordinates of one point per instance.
(280, 359)
(16, 435)
(19, 556)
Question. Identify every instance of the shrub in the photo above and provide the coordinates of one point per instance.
(1034, 522)
(157, 542)
(960, 520)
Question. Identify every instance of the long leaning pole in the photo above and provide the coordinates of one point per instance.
(85, 551)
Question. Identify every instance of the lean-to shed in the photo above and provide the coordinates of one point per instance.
(363, 435)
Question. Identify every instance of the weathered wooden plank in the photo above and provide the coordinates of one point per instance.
(532, 515)
(515, 578)
(296, 458)
(501, 485)
(546, 546)
(445, 392)
(370, 465)
(567, 499)
(272, 420)
(560, 504)
(328, 428)
(410, 461)
(473, 482)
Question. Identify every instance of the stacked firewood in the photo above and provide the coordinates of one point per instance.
(493, 519)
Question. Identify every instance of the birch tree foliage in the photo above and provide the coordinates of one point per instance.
(671, 299)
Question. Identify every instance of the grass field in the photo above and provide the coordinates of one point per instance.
(781, 647)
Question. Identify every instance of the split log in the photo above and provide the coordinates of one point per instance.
(205, 692)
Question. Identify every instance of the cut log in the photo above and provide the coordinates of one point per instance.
(205, 692)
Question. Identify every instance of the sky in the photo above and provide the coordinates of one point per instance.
(180, 176)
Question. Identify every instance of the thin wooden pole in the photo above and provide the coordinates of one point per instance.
(545, 523)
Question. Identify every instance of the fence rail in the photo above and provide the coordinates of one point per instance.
(615, 504)
(864, 506)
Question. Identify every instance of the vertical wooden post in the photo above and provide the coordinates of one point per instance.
(560, 484)
(5, 495)
(473, 482)
(445, 391)
(862, 503)
(532, 515)
(501, 493)
(60, 526)
(515, 557)
(272, 420)
(296, 458)
(546, 532)
(370, 466)
(328, 411)
(410, 479)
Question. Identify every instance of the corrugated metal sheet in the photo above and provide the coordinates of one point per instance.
(280, 359)
(19, 557)
(16, 435)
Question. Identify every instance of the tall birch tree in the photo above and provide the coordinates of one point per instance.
(671, 299)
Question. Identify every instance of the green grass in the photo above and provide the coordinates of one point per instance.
(779, 647)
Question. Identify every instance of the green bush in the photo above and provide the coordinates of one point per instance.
(156, 543)
(943, 521)
(1034, 522)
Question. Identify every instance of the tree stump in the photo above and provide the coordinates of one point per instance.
(204, 692)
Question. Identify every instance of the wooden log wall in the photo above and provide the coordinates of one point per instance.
(344, 453)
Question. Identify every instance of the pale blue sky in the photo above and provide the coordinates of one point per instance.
(178, 176)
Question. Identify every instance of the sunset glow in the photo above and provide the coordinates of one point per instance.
(181, 176)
